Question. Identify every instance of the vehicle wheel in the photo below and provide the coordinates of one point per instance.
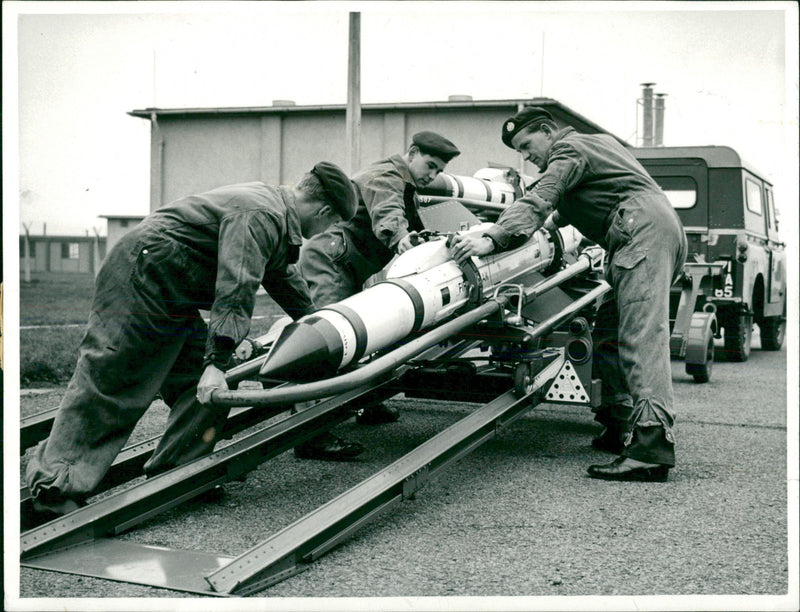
(773, 331)
(738, 337)
(701, 372)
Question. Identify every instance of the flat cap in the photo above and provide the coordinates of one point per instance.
(524, 118)
(338, 188)
(435, 144)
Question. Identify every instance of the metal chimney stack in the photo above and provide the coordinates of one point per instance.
(659, 119)
(647, 114)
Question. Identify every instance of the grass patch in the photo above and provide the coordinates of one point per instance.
(55, 299)
(48, 355)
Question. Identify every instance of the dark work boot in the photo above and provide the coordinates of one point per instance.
(630, 470)
(652, 444)
(46, 509)
(327, 447)
(377, 414)
(610, 440)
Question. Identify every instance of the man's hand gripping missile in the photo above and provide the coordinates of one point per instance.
(465, 245)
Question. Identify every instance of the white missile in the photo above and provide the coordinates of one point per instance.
(488, 185)
(422, 287)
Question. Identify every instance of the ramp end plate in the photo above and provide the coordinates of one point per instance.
(122, 561)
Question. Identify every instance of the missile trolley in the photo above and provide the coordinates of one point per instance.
(504, 333)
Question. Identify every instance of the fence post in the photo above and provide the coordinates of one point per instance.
(27, 253)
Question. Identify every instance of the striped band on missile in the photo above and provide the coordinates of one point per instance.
(351, 329)
(459, 187)
(471, 188)
(307, 349)
(416, 300)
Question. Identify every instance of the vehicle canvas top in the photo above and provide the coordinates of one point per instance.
(712, 188)
(690, 174)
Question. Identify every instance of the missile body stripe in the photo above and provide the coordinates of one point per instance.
(488, 186)
(337, 331)
(414, 296)
(360, 330)
(331, 334)
(460, 187)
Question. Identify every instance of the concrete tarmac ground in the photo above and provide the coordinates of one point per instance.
(519, 517)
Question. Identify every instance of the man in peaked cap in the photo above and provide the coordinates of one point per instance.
(529, 118)
(593, 182)
(146, 336)
(336, 263)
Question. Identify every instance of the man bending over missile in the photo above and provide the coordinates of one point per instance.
(146, 336)
(336, 263)
(593, 183)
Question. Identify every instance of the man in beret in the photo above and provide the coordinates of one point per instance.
(146, 336)
(336, 263)
(594, 183)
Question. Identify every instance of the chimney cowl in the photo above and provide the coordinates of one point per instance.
(459, 98)
(283, 103)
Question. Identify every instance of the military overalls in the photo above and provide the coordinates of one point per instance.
(593, 183)
(336, 262)
(146, 336)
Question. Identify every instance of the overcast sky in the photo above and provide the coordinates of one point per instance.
(83, 66)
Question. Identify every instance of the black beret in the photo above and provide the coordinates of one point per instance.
(524, 118)
(432, 143)
(338, 187)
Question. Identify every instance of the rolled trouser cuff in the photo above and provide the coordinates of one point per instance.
(650, 445)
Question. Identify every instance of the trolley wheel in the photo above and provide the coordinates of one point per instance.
(702, 371)
(523, 380)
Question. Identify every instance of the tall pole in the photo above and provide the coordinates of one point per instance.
(541, 73)
(658, 139)
(353, 118)
(647, 114)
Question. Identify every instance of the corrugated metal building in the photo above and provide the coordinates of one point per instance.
(196, 149)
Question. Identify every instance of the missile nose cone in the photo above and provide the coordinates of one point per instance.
(305, 351)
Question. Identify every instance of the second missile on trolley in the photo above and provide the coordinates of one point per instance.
(421, 288)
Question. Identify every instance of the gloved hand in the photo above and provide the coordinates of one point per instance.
(212, 379)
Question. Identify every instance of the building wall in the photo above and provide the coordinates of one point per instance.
(47, 254)
(42, 250)
(476, 133)
(202, 152)
(116, 228)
